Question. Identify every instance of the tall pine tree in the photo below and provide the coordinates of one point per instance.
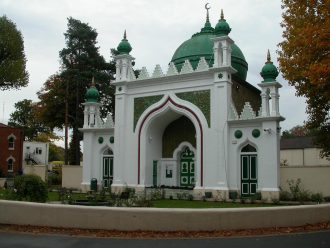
(81, 61)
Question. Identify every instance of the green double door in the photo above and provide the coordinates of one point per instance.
(249, 175)
(107, 171)
(187, 168)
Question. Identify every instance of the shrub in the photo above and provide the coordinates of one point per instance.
(317, 197)
(297, 192)
(208, 194)
(30, 188)
(285, 195)
(233, 195)
(54, 179)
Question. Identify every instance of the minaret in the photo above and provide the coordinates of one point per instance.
(222, 71)
(124, 70)
(92, 107)
(222, 46)
(269, 87)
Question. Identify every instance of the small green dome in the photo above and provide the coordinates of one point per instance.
(92, 94)
(124, 47)
(269, 71)
(222, 28)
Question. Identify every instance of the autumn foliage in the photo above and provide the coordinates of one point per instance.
(304, 59)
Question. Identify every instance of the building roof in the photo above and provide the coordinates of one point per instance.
(297, 143)
(3, 125)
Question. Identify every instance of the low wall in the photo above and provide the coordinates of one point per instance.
(71, 176)
(313, 178)
(129, 219)
(2, 182)
(39, 170)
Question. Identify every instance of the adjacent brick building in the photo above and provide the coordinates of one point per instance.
(11, 147)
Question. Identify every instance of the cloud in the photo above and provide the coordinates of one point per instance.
(154, 28)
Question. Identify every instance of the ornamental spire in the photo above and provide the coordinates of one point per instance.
(124, 47)
(93, 82)
(269, 71)
(268, 57)
(221, 15)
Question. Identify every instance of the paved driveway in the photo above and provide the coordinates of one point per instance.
(308, 240)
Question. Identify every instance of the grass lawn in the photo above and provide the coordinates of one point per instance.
(54, 196)
(201, 204)
(3, 193)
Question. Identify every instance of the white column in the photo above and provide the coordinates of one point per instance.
(216, 54)
(263, 104)
(92, 116)
(85, 117)
(225, 53)
(273, 96)
(118, 77)
(277, 103)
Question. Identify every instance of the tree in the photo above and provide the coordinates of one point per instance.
(299, 131)
(12, 57)
(25, 117)
(305, 60)
(81, 62)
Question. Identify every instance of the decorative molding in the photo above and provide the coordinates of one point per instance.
(233, 115)
(131, 74)
(157, 72)
(143, 74)
(201, 99)
(109, 122)
(202, 65)
(256, 133)
(238, 134)
(247, 112)
(172, 70)
(141, 104)
(186, 68)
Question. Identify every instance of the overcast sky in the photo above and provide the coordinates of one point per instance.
(154, 29)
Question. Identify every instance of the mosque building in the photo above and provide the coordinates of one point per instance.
(197, 126)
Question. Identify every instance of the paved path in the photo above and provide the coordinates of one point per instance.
(308, 240)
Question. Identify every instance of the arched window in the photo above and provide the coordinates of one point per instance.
(10, 164)
(11, 143)
(248, 148)
(108, 152)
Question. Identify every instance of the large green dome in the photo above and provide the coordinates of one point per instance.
(201, 45)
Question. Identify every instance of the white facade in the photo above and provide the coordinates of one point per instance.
(221, 143)
(35, 153)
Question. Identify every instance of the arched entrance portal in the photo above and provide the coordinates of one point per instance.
(170, 150)
(159, 159)
(107, 168)
(249, 171)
